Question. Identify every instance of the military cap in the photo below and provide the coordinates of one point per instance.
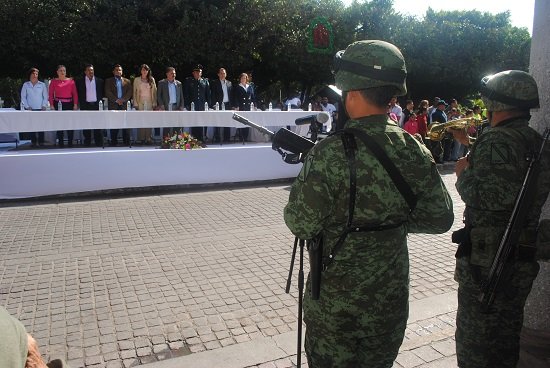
(510, 89)
(370, 63)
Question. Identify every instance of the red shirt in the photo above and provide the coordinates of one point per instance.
(422, 125)
(63, 90)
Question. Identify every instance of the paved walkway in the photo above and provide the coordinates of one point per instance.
(170, 278)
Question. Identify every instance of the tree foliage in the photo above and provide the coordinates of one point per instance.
(447, 52)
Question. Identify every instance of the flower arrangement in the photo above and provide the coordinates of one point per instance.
(180, 140)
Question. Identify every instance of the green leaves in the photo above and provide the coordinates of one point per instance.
(446, 52)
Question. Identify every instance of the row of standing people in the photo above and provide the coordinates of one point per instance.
(145, 94)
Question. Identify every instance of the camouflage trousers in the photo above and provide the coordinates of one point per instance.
(345, 328)
(347, 350)
(490, 340)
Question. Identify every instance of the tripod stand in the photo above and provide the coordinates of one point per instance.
(300, 292)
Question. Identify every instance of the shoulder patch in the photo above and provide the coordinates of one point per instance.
(500, 153)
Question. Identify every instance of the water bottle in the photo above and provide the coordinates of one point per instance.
(217, 106)
(288, 107)
(309, 107)
(192, 106)
(22, 106)
(128, 106)
(252, 106)
(206, 106)
(59, 106)
(169, 107)
(145, 106)
(100, 105)
(48, 107)
(270, 106)
(223, 106)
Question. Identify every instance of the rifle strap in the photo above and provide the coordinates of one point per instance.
(350, 146)
(387, 164)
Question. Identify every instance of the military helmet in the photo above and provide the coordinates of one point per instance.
(510, 89)
(370, 63)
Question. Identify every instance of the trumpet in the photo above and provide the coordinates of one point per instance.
(436, 131)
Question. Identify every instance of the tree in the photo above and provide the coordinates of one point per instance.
(446, 52)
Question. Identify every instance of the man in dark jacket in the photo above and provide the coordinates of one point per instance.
(222, 90)
(196, 89)
(90, 91)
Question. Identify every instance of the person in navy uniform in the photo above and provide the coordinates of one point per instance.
(197, 90)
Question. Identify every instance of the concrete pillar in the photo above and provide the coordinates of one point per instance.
(535, 339)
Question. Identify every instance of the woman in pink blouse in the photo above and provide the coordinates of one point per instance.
(63, 89)
(145, 99)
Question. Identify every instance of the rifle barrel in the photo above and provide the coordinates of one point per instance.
(241, 119)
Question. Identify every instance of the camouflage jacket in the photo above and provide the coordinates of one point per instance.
(489, 185)
(319, 198)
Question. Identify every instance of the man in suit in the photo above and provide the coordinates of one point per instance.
(90, 91)
(221, 90)
(118, 91)
(197, 90)
(170, 94)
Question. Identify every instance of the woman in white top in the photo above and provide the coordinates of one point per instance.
(145, 99)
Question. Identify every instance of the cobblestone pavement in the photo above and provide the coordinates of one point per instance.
(119, 281)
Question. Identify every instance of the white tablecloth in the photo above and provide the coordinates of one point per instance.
(34, 121)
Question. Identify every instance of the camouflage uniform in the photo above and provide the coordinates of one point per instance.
(361, 315)
(488, 187)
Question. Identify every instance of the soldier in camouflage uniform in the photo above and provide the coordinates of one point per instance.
(361, 315)
(488, 182)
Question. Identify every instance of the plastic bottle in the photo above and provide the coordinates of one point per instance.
(309, 107)
(128, 106)
(217, 106)
(59, 106)
(206, 106)
(270, 106)
(169, 107)
(252, 106)
(192, 106)
(100, 105)
(288, 107)
(223, 106)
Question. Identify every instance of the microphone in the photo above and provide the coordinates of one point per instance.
(319, 118)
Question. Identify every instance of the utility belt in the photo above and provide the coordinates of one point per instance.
(319, 263)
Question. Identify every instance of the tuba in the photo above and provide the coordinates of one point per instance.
(436, 131)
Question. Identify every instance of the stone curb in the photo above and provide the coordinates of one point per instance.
(268, 349)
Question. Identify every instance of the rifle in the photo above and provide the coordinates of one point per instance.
(292, 147)
(502, 261)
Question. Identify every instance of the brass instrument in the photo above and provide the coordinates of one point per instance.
(436, 131)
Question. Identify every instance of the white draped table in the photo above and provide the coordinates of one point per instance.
(35, 121)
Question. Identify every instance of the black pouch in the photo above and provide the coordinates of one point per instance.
(315, 251)
(459, 236)
(462, 238)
